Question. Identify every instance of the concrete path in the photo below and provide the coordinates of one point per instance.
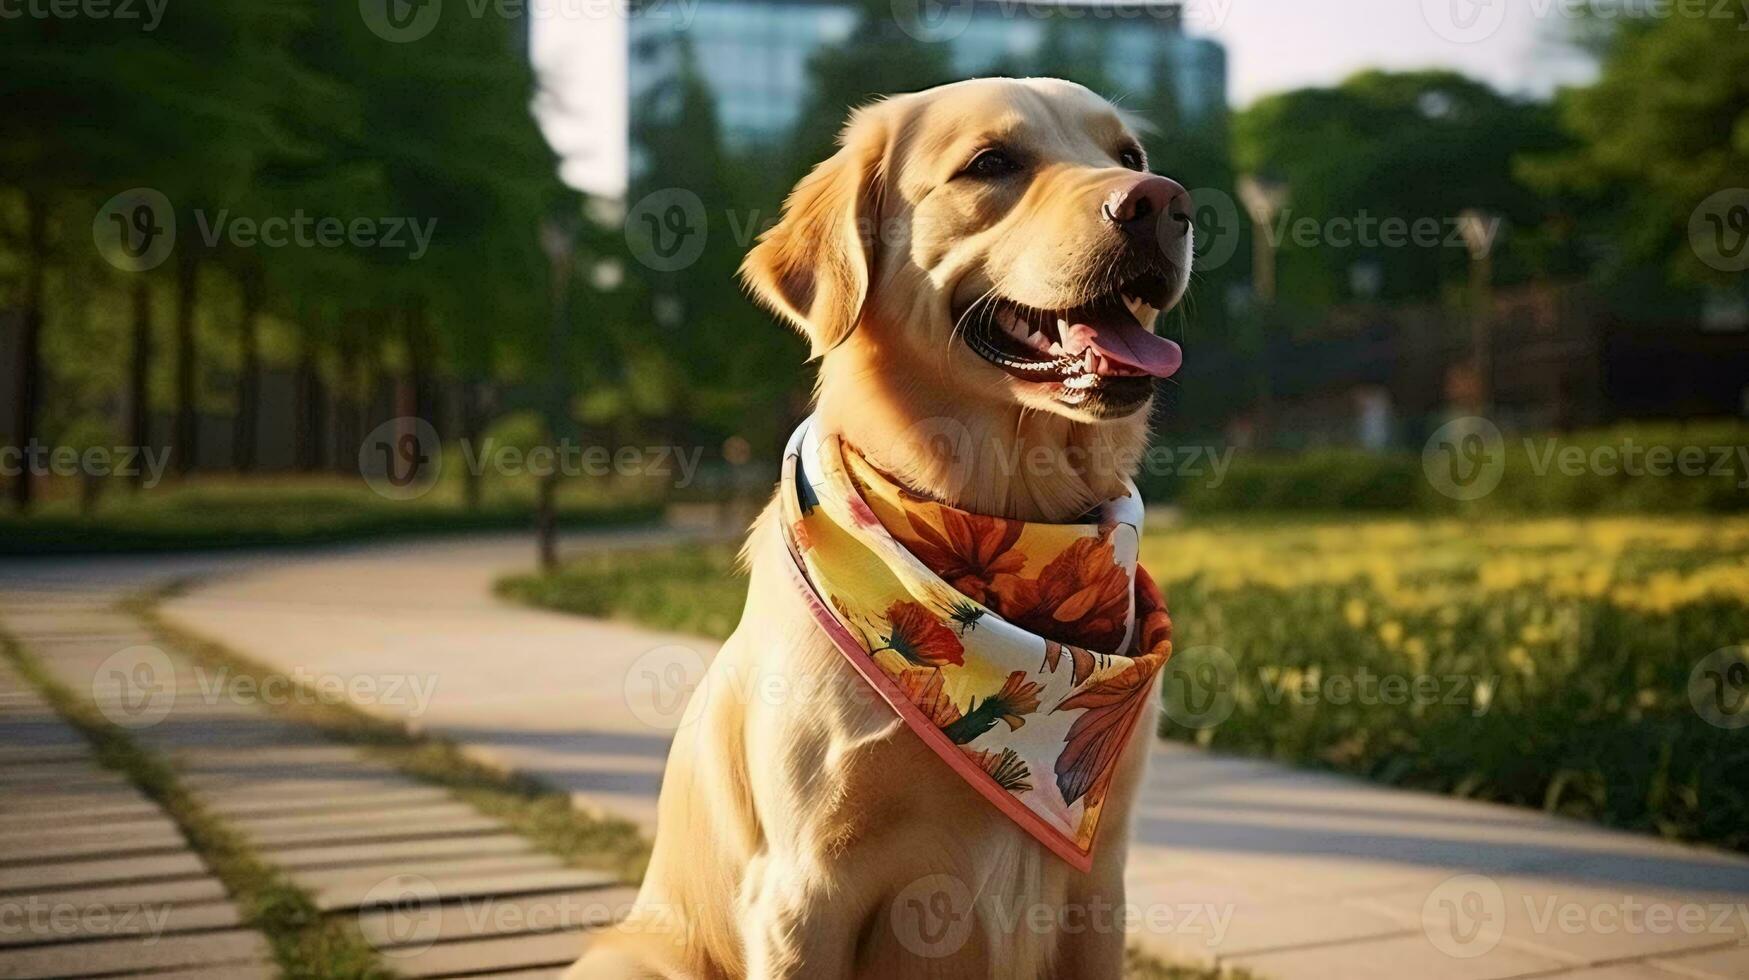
(1292, 874)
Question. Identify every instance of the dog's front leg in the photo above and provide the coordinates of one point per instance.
(795, 925)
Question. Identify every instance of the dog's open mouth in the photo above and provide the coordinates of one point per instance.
(1100, 352)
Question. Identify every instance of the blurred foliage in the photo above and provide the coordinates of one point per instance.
(1413, 146)
(1665, 127)
(1577, 473)
(1555, 658)
(216, 512)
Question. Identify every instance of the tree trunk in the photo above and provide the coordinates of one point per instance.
(473, 420)
(248, 377)
(26, 395)
(139, 377)
(187, 422)
(307, 413)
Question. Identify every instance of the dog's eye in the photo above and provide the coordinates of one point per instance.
(991, 165)
(1131, 157)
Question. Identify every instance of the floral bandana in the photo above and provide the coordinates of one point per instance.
(985, 634)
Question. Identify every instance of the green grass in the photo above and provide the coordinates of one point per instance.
(536, 811)
(306, 944)
(1564, 648)
(695, 588)
(217, 512)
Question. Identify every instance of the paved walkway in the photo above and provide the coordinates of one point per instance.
(94, 877)
(438, 889)
(1299, 876)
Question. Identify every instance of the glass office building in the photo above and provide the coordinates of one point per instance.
(754, 54)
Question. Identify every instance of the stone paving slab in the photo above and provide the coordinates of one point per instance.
(91, 897)
(104, 871)
(317, 858)
(342, 825)
(211, 949)
(554, 912)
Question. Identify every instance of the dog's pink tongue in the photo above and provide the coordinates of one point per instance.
(1125, 342)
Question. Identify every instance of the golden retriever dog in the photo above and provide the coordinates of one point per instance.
(986, 260)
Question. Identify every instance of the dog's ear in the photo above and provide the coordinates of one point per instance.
(815, 266)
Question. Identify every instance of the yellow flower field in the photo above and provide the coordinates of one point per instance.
(1581, 665)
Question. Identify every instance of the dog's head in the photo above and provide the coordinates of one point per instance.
(1003, 235)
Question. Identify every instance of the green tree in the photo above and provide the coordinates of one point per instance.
(1664, 128)
(1416, 146)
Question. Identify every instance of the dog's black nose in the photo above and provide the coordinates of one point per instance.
(1153, 208)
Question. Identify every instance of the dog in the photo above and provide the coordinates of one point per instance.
(988, 260)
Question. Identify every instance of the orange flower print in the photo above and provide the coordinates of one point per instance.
(1082, 597)
(968, 551)
(918, 637)
(1112, 705)
(1006, 768)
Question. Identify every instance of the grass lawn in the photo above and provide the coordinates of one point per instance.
(1541, 662)
(229, 512)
